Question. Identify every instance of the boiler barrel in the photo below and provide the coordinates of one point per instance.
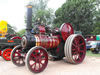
(47, 41)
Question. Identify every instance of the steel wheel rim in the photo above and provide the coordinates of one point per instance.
(78, 49)
(66, 51)
(37, 57)
(6, 54)
(69, 51)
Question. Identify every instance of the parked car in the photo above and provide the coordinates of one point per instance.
(95, 47)
(88, 45)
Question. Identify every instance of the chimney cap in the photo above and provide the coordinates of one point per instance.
(29, 6)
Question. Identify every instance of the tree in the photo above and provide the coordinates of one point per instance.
(96, 31)
(11, 30)
(41, 11)
(80, 13)
(21, 32)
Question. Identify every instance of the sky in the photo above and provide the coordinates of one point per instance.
(13, 11)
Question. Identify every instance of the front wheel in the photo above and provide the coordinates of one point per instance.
(36, 59)
(17, 57)
(6, 54)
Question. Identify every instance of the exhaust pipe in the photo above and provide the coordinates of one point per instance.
(29, 19)
(28, 40)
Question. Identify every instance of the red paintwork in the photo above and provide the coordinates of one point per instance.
(66, 30)
(47, 41)
(78, 49)
(19, 57)
(0, 53)
(42, 29)
(10, 41)
(6, 54)
(16, 37)
(90, 38)
(38, 60)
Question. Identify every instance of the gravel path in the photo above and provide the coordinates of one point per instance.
(90, 66)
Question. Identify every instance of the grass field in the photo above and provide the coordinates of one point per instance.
(89, 53)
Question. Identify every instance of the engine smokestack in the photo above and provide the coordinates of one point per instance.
(29, 19)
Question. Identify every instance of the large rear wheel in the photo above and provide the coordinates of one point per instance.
(75, 49)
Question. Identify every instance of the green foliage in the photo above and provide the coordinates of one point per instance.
(41, 11)
(46, 16)
(11, 30)
(96, 31)
(80, 13)
(89, 53)
(21, 32)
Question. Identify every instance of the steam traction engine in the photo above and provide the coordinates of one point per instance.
(43, 41)
(7, 41)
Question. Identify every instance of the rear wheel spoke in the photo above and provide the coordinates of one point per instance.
(81, 44)
(81, 51)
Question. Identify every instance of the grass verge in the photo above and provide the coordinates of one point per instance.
(89, 53)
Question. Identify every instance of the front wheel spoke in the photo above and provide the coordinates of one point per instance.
(41, 54)
(36, 52)
(16, 54)
(32, 64)
(39, 66)
(41, 63)
(33, 55)
(17, 61)
(32, 59)
(23, 60)
(20, 60)
(19, 51)
(40, 59)
(35, 66)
